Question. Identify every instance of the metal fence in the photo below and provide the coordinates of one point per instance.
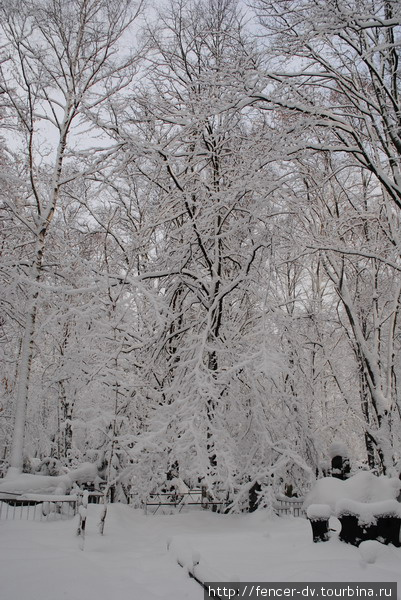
(35, 507)
(176, 501)
(284, 506)
(163, 502)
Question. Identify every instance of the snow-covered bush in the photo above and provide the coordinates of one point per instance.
(364, 487)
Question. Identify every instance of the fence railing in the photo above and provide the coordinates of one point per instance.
(49, 507)
(37, 507)
(284, 506)
(176, 500)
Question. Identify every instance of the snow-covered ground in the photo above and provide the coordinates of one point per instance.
(136, 559)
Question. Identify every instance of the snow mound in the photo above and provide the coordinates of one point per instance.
(338, 449)
(370, 550)
(316, 512)
(368, 513)
(25, 483)
(193, 561)
(363, 487)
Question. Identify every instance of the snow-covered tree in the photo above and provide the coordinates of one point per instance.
(333, 85)
(62, 61)
(214, 214)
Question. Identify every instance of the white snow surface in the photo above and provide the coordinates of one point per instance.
(362, 487)
(136, 558)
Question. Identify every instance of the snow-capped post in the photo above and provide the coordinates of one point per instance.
(82, 511)
(103, 516)
(204, 496)
(319, 515)
(110, 485)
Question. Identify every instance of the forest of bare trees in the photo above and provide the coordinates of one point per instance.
(200, 239)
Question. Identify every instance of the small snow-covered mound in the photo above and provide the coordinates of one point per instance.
(370, 550)
(193, 561)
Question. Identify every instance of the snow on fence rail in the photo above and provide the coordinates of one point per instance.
(282, 506)
(37, 507)
(177, 500)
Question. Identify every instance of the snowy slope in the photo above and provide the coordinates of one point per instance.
(42, 561)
